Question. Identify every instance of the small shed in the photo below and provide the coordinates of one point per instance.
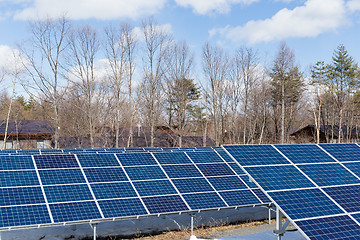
(328, 134)
(26, 134)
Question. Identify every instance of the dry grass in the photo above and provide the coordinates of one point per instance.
(201, 231)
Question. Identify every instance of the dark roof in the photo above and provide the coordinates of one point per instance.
(329, 129)
(27, 127)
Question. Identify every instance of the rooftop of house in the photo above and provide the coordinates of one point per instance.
(27, 127)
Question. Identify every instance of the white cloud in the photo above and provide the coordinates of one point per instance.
(139, 34)
(354, 5)
(9, 59)
(84, 9)
(212, 6)
(312, 19)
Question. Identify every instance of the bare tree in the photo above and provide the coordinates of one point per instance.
(84, 45)
(44, 63)
(215, 67)
(157, 42)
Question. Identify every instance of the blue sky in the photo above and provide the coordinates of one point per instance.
(312, 28)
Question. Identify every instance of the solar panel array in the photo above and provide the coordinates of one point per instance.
(317, 187)
(67, 188)
(102, 150)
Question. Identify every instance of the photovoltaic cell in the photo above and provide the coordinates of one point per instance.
(172, 158)
(191, 185)
(122, 207)
(61, 176)
(354, 167)
(347, 197)
(338, 227)
(113, 190)
(55, 161)
(153, 188)
(227, 183)
(248, 155)
(237, 169)
(145, 173)
(218, 169)
(239, 198)
(165, 204)
(247, 181)
(307, 203)
(329, 174)
(114, 174)
(181, 171)
(67, 193)
(24, 215)
(260, 194)
(18, 178)
(138, 159)
(304, 153)
(343, 152)
(75, 211)
(225, 156)
(279, 177)
(21, 196)
(204, 200)
(98, 160)
(201, 157)
(16, 162)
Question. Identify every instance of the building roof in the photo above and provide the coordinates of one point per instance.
(27, 127)
(331, 129)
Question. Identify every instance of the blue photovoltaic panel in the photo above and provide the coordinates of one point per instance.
(343, 152)
(113, 190)
(99, 160)
(216, 169)
(225, 156)
(206, 149)
(354, 167)
(204, 200)
(227, 183)
(239, 198)
(122, 207)
(260, 194)
(61, 176)
(205, 157)
(165, 204)
(304, 153)
(145, 173)
(329, 174)
(348, 197)
(16, 162)
(18, 178)
(307, 203)
(338, 227)
(181, 171)
(247, 181)
(67, 193)
(237, 168)
(55, 161)
(248, 155)
(21, 196)
(172, 158)
(279, 177)
(24, 215)
(114, 174)
(136, 159)
(75, 211)
(190, 185)
(153, 188)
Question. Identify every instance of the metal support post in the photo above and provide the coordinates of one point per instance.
(192, 224)
(279, 229)
(269, 209)
(94, 225)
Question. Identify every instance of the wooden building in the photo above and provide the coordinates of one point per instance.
(328, 134)
(26, 134)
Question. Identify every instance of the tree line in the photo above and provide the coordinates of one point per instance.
(146, 78)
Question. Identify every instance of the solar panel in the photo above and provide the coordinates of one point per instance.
(63, 188)
(313, 185)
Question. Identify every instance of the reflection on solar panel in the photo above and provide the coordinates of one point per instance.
(62, 188)
(313, 185)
